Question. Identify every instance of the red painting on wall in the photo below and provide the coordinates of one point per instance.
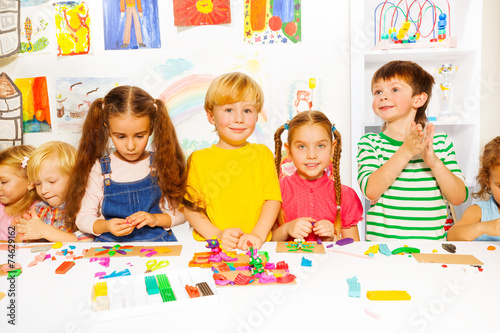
(201, 12)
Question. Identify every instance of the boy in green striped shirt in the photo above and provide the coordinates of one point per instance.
(407, 171)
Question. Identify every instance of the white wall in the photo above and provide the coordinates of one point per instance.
(323, 54)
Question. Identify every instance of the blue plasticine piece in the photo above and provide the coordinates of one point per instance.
(151, 285)
(306, 262)
(382, 248)
(354, 287)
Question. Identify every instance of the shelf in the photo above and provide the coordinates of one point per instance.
(425, 54)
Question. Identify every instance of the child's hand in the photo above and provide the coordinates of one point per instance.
(429, 156)
(414, 139)
(254, 240)
(140, 219)
(229, 238)
(30, 226)
(491, 228)
(325, 230)
(119, 227)
(301, 227)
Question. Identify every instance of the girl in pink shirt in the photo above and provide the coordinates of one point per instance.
(314, 206)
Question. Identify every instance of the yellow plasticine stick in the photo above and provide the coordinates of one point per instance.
(372, 249)
(388, 295)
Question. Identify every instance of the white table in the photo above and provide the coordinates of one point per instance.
(451, 299)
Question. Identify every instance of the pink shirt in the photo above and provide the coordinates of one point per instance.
(316, 199)
(121, 172)
(5, 221)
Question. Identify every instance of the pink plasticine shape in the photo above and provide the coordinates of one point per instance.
(215, 258)
(151, 253)
(264, 278)
(222, 282)
(33, 263)
(225, 257)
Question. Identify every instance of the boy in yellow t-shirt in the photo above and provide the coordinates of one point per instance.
(232, 188)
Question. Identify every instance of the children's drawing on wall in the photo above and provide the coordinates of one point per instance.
(36, 109)
(272, 21)
(131, 24)
(34, 29)
(201, 12)
(27, 3)
(303, 95)
(72, 28)
(10, 12)
(74, 96)
(185, 99)
(11, 121)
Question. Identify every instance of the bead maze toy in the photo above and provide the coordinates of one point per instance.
(412, 24)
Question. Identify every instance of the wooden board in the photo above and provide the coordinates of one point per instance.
(461, 259)
(317, 248)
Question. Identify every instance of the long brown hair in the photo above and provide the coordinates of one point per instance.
(170, 162)
(489, 160)
(16, 158)
(314, 118)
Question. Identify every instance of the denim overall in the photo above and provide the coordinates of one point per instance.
(124, 199)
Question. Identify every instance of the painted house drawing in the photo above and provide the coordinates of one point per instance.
(10, 33)
(11, 113)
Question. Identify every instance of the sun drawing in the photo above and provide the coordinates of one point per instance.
(202, 12)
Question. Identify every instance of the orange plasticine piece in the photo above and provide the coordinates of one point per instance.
(64, 267)
(491, 248)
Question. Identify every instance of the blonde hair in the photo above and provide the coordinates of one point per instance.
(14, 157)
(313, 118)
(232, 88)
(489, 160)
(62, 153)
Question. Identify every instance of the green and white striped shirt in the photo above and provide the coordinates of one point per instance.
(413, 207)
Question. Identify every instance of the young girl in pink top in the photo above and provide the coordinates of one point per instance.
(16, 192)
(314, 206)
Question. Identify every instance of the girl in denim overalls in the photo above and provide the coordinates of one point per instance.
(130, 195)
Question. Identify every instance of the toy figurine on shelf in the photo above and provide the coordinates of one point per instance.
(447, 72)
(420, 23)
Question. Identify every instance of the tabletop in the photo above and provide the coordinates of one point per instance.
(456, 297)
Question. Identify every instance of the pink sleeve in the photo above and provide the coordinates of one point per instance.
(351, 208)
(89, 210)
(176, 216)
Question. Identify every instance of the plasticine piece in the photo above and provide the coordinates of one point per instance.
(434, 251)
(64, 267)
(329, 246)
(388, 295)
(282, 265)
(204, 289)
(57, 245)
(372, 314)
(2, 295)
(47, 257)
(491, 248)
(41, 248)
(354, 287)
(40, 257)
(372, 250)
(384, 249)
(306, 262)
(99, 274)
(14, 273)
(192, 292)
(125, 272)
(405, 249)
(319, 241)
(449, 247)
(269, 265)
(222, 282)
(9, 267)
(53, 258)
(33, 263)
(242, 279)
(344, 241)
(264, 278)
(218, 276)
(72, 247)
(151, 285)
(286, 279)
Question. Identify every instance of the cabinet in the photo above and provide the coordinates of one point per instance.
(465, 26)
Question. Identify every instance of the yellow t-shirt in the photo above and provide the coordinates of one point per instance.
(233, 184)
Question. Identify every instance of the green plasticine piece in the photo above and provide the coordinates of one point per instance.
(405, 250)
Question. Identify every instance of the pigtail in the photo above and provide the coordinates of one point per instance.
(170, 160)
(277, 148)
(338, 185)
(93, 143)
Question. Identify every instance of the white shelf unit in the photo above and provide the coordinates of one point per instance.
(466, 17)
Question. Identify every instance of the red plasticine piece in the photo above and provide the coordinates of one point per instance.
(64, 267)
(286, 279)
(242, 279)
(282, 265)
(193, 292)
(223, 267)
(218, 276)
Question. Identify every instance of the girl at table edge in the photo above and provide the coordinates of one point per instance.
(131, 194)
(312, 143)
(481, 221)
